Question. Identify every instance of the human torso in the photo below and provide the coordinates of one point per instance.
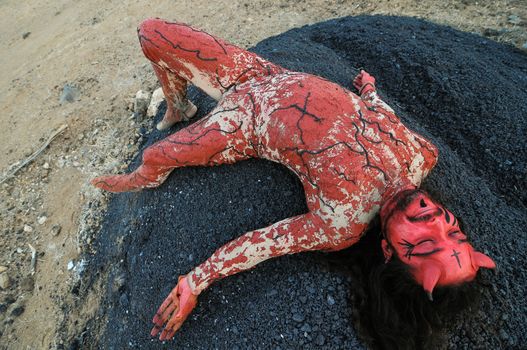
(347, 152)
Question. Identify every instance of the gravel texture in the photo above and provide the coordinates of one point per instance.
(464, 92)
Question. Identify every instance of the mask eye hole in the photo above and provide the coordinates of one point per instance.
(422, 203)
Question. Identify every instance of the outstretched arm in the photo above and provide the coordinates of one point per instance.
(297, 234)
(365, 83)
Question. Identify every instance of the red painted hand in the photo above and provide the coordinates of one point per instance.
(364, 82)
(174, 310)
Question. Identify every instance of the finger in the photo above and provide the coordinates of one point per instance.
(171, 333)
(155, 331)
(164, 334)
(160, 319)
(168, 311)
(167, 334)
(168, 301)
(171, 329)
(172, 323)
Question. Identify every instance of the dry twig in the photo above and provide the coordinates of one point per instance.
(34, 155)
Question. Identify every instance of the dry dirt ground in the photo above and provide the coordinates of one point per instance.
(92, 47)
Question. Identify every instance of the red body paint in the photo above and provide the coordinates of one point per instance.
(427, 237)
(350, 152)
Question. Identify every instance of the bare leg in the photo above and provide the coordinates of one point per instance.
(181, 54)
(219, 138)
(175, 89)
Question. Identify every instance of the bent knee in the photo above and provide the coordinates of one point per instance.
(158, 36)
(151, 27)
(148, 26)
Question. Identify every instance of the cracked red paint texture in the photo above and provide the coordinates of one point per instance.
(350, 152)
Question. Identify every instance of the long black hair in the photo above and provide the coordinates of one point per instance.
(392, 311)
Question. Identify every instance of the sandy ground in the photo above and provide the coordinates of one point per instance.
(92, 47)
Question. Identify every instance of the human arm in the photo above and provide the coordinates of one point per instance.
(297, 234)
(365, 83)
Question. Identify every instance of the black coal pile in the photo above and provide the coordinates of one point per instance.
(464, 92)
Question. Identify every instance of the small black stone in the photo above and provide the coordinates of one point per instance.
(298, 317)
(17, 311)
(320, 340)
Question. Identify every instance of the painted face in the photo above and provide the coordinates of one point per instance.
(427, 237)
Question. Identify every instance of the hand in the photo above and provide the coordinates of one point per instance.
(174, 310)
(364, 82)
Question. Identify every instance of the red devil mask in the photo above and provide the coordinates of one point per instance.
(427, 237)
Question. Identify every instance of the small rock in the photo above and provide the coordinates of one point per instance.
(46, 165)
(298, 317)
(155, 102)
(524, 46)
(504, 335)
(55, 229)
(272, 293)
(306, 328)
(490, 32)
(142, 98)
(514, 19)
(331, 301)
(76, 164)
(5, 281)
(320, 340)
(25, 35)
(3, 268)
(28, 228)
(123, 301)
(69, 94)
(19, 250)
(27, 284)
(18, 310)
(119, 282)
(71, 265)
(42, 219)
(8, 299)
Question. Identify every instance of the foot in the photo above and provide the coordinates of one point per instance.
(172, 116)
(118, 183)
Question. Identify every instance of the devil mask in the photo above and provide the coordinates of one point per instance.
(427, 237)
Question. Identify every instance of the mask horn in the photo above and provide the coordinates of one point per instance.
(431, 274)
(482, 260)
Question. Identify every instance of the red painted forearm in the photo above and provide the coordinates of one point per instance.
(301, 233)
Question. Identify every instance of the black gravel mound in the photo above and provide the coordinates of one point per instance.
(464, 92)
